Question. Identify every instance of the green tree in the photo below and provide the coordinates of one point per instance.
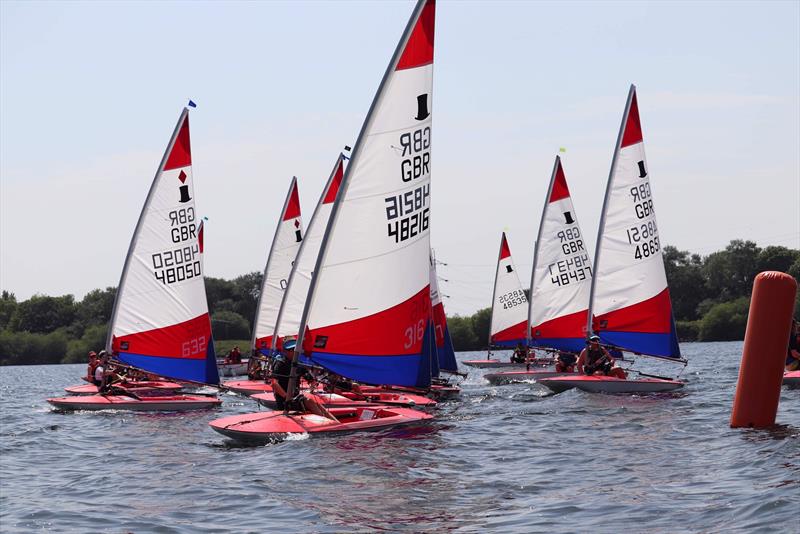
(462, 333)
(730, 272)
(93, 338)
(725, 321)
(687, 285)
(8, 303)
(481, 324)
(96, 307)
(774, 258)
(247, 289)
(43, 314)
(229, 325)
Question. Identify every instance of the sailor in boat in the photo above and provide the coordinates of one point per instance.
(793, 351)
(234, 356)
(520, 355)
(255, 369)
(93, 363)
(596, 360)
(281, 372)
(565, 362)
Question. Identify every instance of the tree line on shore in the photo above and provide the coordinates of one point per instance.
(710, 300)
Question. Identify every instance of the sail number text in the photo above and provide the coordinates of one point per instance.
(182, 225)
(416, 147)
(407, 214)
(193, 347)
(643, 236)
(513, 299)
(575, 269)
(570, 240)
(176, 265)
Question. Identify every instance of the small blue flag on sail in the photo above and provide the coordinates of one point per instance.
(192, 104)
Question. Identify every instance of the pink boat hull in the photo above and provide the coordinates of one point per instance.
(392, 398)
(264, 426)
(329, 400)
(510, 377)
(608, 384)
(791, 379)
(497, 364)
(171, 403)
(248, 387)
(91, 389)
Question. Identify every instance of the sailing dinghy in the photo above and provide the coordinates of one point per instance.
(629, 304)
(286, 321)
(367, 312)
(282, 254)
(560, 282)
(509, 311)
(160, 322)
(135, 386)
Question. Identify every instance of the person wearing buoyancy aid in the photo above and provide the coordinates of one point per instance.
(520, 355)
(565, 362)
(596, 360)
(93, 363)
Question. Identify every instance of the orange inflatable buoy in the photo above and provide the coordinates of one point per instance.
(765, 340)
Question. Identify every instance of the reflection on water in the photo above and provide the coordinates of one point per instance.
(502, 458)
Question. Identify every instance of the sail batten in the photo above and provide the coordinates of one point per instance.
(160, 321)
(630, 305)
(367, 312)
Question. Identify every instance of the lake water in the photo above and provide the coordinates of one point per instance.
(504, 459)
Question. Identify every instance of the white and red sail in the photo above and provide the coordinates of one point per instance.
(160, 321)
(562, 272)
(299, 280)
(368, 313)
(509, 323)
(281, 257)
(445, 359)
(630, 298)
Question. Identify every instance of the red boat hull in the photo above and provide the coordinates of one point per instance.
(496, 364)
(609, 384)
(328, 400)
(91, 389)
(171, 403)
(510, 377)
(265, 426)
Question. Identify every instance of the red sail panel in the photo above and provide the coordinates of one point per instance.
(419, 48)
(181, 154)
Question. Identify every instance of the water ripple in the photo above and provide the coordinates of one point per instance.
(508, 459)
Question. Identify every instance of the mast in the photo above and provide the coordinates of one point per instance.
(109, 337)
(311, 225)
(602, 226)
(354, 159)
(292, 186)
(494, 292)
(536, 248)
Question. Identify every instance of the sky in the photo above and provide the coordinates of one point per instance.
(90, 92)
